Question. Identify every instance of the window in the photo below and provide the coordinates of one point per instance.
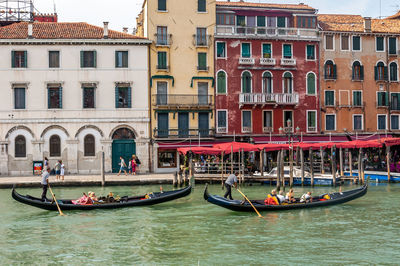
(123, 97)
(162, 125)
(246, 121)
(162, 60)
(357, 98)
(20, 147)
(382, 98)
(267, 82)
(241, 21)
(221, 82)
(54, 59)
(357, 122)
(330, 122)
(19, 98)
(266, 50)
(19, 59)
(267, 121)
(281, 22)
(381, 122)
(201, 36)
(380, 44)
(246, 82)
(221, 50)
(201, 6)
(392, 45)
(162, 5)
(288, 116)
(306, 22)
(393, 71)
(394, 122)
(246, 51)
(166, 158)
(89, 97)
(121, 59)
(287, 51)
(221, 121)
(54, 97)
(310, 52)
(311, 84)
(88, 59)
(55, 146)
(287, 83)
(381, 72)
(204, 126)
(311, 121)
(344, 44)
(329, 42)
(395, 101)
(356, 43)
(329, 98)
(357, 71)
(89, 145)
(162, 35)
(225, 19)
(330, 70)
(202, 61)
(162, 93)
(261, 25)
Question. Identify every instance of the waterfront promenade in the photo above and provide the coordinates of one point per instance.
(88, 180)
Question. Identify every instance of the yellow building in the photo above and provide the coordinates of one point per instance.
(181, 74)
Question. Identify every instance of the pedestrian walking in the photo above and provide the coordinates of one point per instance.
(57, 168)
(230, 181)
(45, 163)
(137, 164)
(130, 167)
(62, 170)
(45, 182)
(122, 166)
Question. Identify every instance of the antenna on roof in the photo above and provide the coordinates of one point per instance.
(54, 4)
(380, 9)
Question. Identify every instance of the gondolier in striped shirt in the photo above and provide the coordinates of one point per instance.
(230, 181)
(45, 182)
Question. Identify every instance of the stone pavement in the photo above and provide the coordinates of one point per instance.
(88, 180)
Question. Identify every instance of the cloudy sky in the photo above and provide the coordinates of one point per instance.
(122, 13)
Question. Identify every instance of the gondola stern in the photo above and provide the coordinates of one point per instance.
(206, 195)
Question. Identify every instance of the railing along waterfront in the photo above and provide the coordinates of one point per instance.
(183, 133)
(182, 100)
(263, 98)
(223, 30)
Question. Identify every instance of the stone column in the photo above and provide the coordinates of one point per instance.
(142, 151)
(72, 153)
(37, 150)
(106, 147)
(4, 158)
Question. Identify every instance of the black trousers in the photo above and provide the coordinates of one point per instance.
(44, 187)
(228, 191)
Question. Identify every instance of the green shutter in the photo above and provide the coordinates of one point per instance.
(266, 50)
(116, 58)
(60, 97)
(334, 72)
(116, 96)
(376, 72)
(310, 52)
(353, 72)
(221, 82)
(94, 59)
(82, 65)
(385, 73)
(240, 21)
(392, 45)
(260, 21)
(12, 59)
(221, 49)
(362, 72)
(386, 99)
(311, 84)
(287, 51)
(202, 61)
(25, 59)
(246, 50)
(281, 22)
(162, 5)
(201, 5)
(129, 97)
(48, 98)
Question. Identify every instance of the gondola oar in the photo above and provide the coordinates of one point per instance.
(54, 198)
(259, 215)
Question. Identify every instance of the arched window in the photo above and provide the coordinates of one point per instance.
(267, 82)
(89, 145)
(330, 70)
(20, 147)
(221, 82)
(246, 82)
(311, 84)
(393, 71)
(55, 146)
(381, 71)
(358, 71)
(287, 83)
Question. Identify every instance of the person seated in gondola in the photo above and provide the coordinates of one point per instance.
(92, 196)
(84, 200)
(306, 197)
(290, 196)
(281, 197)
(272, 199)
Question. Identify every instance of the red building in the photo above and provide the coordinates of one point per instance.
(267, 69)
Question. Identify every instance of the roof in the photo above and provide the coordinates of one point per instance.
(265, 5)
(395, 16)
(60, 30)
(355, 23)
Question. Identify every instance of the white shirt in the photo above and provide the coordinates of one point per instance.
(281, 198)
(45, 176)
(305, 197)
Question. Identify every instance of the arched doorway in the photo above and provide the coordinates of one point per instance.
(123, 145)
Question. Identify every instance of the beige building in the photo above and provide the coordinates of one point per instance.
(69, 92)
(181, 74)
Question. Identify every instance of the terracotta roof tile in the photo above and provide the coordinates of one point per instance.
(265, 5)
(60, 30)
(395, 16)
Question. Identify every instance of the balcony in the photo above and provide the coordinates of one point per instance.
(203, 68)
(163, 39)
(201, 40)
(162, 67)
(311, 129)
(247, 61)
(268, 129)
(176, 101)
(221, 130)
(288, 62)
(263, 32)
(246, 129)
(269, 98)
(267, 61)
(183, 133)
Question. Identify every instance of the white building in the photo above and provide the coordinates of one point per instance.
(69, 91)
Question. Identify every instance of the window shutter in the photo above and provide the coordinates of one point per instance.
(25, 59)
(221, 48)
(60, 95)
(260, 21)
(353, 74)
(129, 97)
(48, 98)
(385, 73)
(13, 59)
(376, 72)
(386, 98)
(83, 97)
(246, 50)
(362, 72)
(266, 50)
(116, 96)
(23, 98)
(94, 58)
(334, 72)
(116, 58)
(82, 64)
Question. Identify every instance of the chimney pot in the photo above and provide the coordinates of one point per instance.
(30, 30)
(125, 29)
(105, 33)
(367, 24)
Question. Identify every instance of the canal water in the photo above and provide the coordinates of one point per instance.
(190, 231)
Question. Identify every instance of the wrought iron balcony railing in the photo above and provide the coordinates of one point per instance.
(182, 100)
(183, 133)
(267, 61)
(229, 30)
(202, 40)
(163, 39)
(265, 98)
(246, 61)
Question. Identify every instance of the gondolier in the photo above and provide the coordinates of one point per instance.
(230, 181)
(45, 182)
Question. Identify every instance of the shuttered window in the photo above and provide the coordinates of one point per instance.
(394, 122)
(162, 60)
(357, 98)
(287, 51)
(330, 122)
(392, 45)
(266, 50)
(357, 122)
(329, 98)
(19, 98)
(281, 22)
(356, 43)
(246, 82)
(201, 5)
(55, 146)
(88, 59)
(54, 59)
(246, 53)
(89, 145)
(381, 72)
(89, 97)
(221, 118)
(221, 82)
(261, 21)
(162, 5)
(20, 147)
(202, 61)
(383, 99)
(310, 52)
(54, 97)
(123, 97)
(267, 82)
(381, 122)
(311, 121)
(395, 101)
(357, 71)
(19, 59)
(393, 71)
(380, 45)
(221, 53)
(311, 84)
(121, 59)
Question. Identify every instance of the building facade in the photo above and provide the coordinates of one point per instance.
(266, 70)
(181, 74)
(359, 75)
(69, 92)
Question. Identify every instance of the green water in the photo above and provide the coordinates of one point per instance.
(190, 231)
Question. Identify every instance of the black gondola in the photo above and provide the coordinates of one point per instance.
(154, 198)
(319, 201)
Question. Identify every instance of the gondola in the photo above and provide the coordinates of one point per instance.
(318, 201)
(142, 200)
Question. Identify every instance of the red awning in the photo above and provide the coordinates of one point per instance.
(235, 146)
(359, 144)
(200, 150)
(390, 141)
(273, 147)
(315, 146)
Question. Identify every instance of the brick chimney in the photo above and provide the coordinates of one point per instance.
(30, 30)
(105, 34)
(367, 24)
(125, 30)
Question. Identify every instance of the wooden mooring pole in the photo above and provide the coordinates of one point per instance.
(231, 159)
(278, 171)
(341, 161)
(333, 160)
(291, 167)
(103, 177)
(302, 166)
(359, 165)
(321, 152)
(242, 165)
(283, 169)
(351, 164)
(388, 162)
(222, 170)
(311, 167)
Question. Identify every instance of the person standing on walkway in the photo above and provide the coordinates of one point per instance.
(123, 166)
(62, 170)
(57, 168)
(230, 181)
(137, 164)
(45, 182)
(45, 163)
(134, 165)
